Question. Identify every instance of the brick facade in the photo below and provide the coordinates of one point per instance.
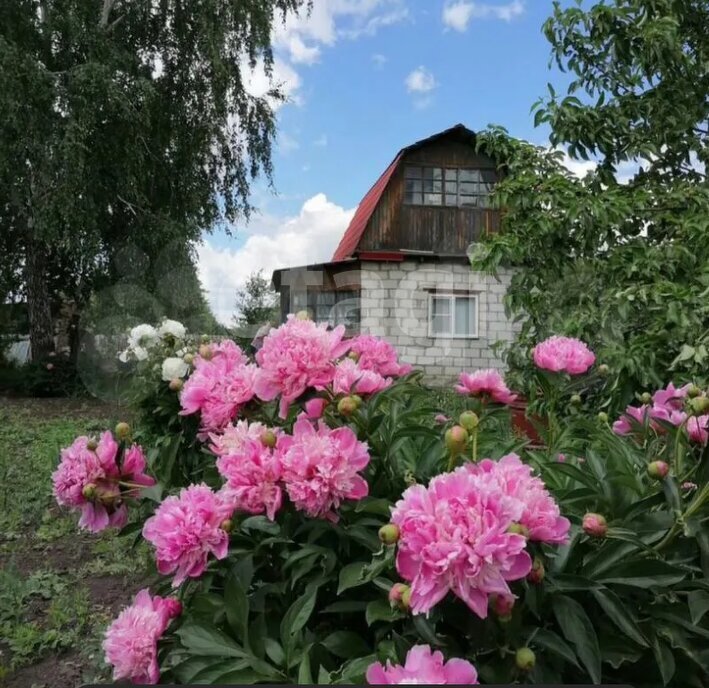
(395, 304)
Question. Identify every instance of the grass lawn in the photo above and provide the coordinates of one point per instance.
(58, 589)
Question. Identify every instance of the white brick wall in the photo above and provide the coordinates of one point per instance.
(394, 305)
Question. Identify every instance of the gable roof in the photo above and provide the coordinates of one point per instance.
(353, 234)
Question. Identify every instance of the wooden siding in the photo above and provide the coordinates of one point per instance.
(442, 230)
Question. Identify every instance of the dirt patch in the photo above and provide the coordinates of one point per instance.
(112, 593)
(54, 671)
(66, 554)
(49, 408)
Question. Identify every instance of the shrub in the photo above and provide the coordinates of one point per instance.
(322, 536)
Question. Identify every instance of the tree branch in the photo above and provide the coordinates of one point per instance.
(106, 12)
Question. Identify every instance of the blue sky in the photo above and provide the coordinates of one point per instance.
(365, 78)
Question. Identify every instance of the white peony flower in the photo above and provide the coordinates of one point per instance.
(142, 336)
(172, 327)
(173, 368)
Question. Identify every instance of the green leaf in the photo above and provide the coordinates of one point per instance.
(298, 614)
(346, 644)
(305, 676)
(552, 642)
(577, 628)
(698, 603)
(351, 576)
(274, 651)
(208, 641)
(381, 610)
(619, 615)
(260, 523)
(344, 607)
(644, 574)
(665, 660)
(236, 604)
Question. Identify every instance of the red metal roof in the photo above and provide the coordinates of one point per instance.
(357, 225)
(353, 234)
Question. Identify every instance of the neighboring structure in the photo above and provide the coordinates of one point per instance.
(401, 270)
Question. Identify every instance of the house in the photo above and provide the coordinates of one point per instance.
(401, 270)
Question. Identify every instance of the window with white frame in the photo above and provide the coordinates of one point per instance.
(452, 315)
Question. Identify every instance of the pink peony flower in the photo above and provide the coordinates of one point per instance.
(561, 458)
(698, 429)
(315, 408)
(376, 354)
(671, 397)
(563, 354)
(485, 383)
(424, 667)
(321, 467)
(252, 479)
(454, 536)
(296, 356)
(219, 386)
(513, 481)
(441, 419)
(235, 435)
(350, 378)
(625, 425)
(130, 642)
(594, 525)
(89, 479)
(185, 529)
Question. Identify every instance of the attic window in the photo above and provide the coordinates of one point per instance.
(459, 187)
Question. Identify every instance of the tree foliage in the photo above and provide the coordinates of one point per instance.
(619, 257)
(256, 302)
(126, 124)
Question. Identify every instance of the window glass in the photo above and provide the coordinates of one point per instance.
(464, 315)
(436, 186)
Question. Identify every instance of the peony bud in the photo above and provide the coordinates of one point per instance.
(395, 593)
(693, 391)
(576, 399)
(268, 439)
(188, 359)
(456, 439)
(405, 600)
(50, 366)
(389, 534)
(92, 444)
(357, 400)
(440, 419)
(603, 369)
(122, 431)
(502, 606)
(658, 469)
(302, 315)
(173, 606)
(595, 525)
(227, 525)
(176, 384)
(315, 408)
(699, 405)
(525, 659)
(603, 417)
(518, 529)
(536, 575)
(205, 351)
(204, 339)
(646, 397)
(469, 420)
(89, 491)
(347, 406)
(353, 355)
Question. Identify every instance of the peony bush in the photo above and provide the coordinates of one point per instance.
(317, 516)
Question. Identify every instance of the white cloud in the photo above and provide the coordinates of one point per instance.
(420, 80)
(287, 143)
(379, 60)
(283, 76)
(301, 53)
(457, 15)
(309, 237)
